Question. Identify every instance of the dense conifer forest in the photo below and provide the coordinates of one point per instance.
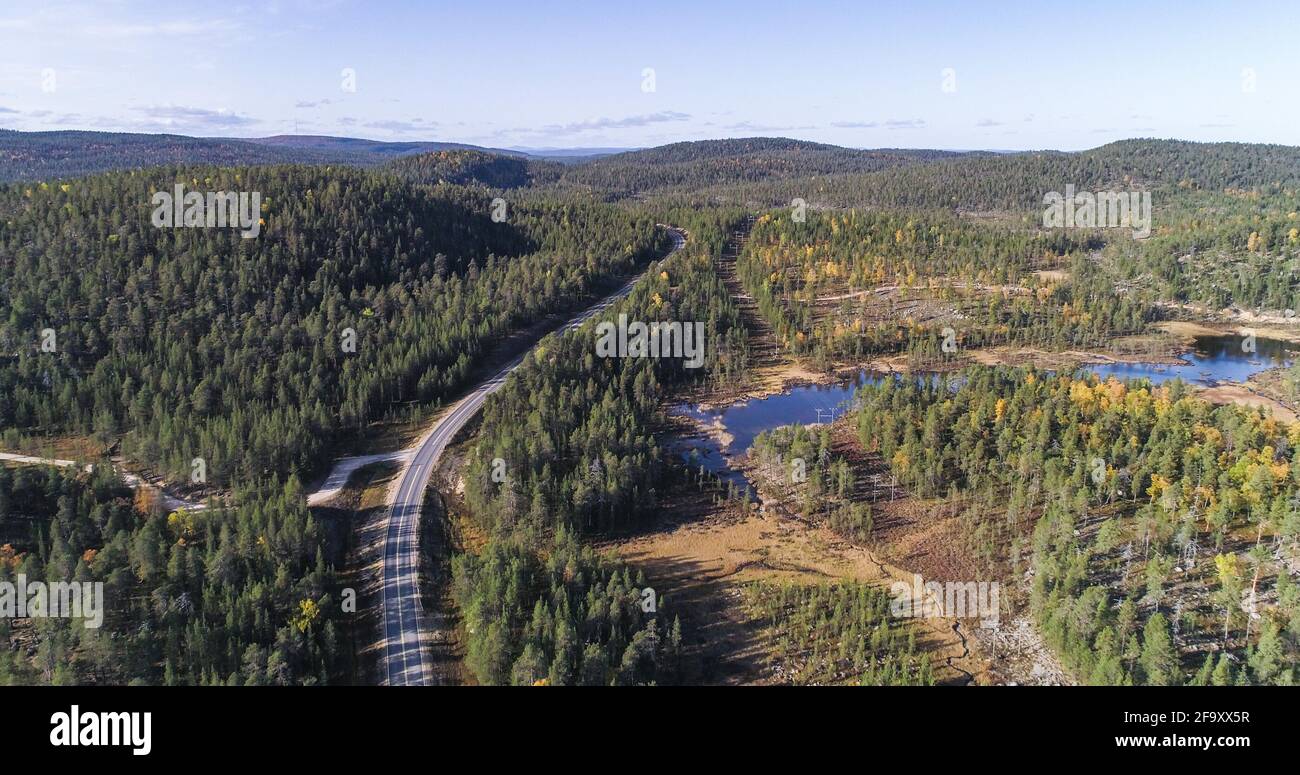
(244, 595)
(195, 343)
(1148, 533)
(596, 471)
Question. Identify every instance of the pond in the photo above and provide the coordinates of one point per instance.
(1213, 359)
(802, 404)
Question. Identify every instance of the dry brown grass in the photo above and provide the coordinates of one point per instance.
(703, 554)
(62, 448)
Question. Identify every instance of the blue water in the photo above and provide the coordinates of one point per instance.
(696, 452)
(1213, 359)
(803, 405)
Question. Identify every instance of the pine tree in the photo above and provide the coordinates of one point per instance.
(1202, 677)
(1159, 662)
(1222, 671)
(1266, 661)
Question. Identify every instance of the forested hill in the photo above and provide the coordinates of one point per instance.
(756, 171)
(775, 147)
(710, 162)
(365, 151)
(1211, 166)
(466, 167)
(1018, 181)
(194, 342)
(62, 155)
(55, 155)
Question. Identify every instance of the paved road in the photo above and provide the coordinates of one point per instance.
(403, 613)
(345, 468)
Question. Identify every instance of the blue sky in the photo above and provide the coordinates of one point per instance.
(507, 73)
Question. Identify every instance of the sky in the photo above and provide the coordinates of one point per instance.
(527, 73)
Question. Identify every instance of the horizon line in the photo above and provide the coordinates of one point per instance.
(629, 149)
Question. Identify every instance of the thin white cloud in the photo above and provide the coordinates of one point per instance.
(893, 123)
(627, 122)
(750, 126)
(402, 127)
(161, 29)
(186, 117)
